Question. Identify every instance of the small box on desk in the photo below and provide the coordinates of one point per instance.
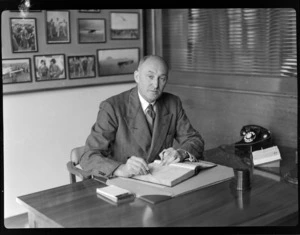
(268, 156)
(115, 194)
(267, 159)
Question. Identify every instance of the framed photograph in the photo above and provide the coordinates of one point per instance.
(91, 30)
(90, 11)
(117, 61)
(58, 27)
(82, 66)
(16, 71)
(124, 25)
(23, 35)
(49, 67)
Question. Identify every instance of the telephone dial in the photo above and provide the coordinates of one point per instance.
(254, 138)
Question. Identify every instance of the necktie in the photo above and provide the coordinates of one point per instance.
(150, 115)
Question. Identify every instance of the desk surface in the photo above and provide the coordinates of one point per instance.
(269, 202)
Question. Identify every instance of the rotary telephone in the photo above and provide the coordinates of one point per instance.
(254, 138)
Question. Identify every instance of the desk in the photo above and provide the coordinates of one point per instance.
(269, 202)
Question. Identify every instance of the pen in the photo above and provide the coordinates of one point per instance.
(148, 171)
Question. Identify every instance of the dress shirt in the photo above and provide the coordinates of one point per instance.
(145, 105)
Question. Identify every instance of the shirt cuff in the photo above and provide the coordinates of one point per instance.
(187, 156)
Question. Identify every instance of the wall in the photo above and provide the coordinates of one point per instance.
(218, 106)
(40, 129)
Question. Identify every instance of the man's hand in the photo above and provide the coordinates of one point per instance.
(134, 166)
(171, 155)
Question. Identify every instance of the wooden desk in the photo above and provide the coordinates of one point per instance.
(269, 202)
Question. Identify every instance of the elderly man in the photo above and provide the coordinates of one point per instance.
(139, 125)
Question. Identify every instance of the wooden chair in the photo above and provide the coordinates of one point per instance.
(74, 171)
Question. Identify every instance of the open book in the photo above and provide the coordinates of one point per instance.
(174, 173)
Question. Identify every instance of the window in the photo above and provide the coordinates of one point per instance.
(236, 41)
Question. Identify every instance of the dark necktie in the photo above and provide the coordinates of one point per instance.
(150, 115)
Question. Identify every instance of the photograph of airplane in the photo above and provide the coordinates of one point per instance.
(124, 25)
(117, 61)
(16, 71)
(91, 30)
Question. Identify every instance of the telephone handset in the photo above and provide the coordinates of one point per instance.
(255, 136)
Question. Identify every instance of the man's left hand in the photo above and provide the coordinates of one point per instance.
(171, 155)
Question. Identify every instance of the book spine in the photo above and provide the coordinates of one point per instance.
(100, 179)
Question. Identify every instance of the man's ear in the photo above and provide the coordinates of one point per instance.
(136, 76)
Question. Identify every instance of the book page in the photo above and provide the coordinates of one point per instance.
(192, 165)
(179, 164)
(169, 175)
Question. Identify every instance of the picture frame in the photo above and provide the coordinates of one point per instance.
(90, 10)
(49, 67)
(117, 61)
(16, 71)
(82, 66)
(124, 26)
(57, 27)
(23, 34)
(91, 30)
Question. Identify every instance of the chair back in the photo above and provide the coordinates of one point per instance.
(75, 156)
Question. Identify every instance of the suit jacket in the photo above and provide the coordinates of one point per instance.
(121, 131)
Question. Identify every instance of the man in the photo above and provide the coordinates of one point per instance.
(24, 38)
(57, 27)
(122, 142)
(63, 26)
(54, 70)
(43, 71)
(51, 28)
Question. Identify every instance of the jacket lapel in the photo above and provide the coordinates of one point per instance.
(160, 129)
(137, 122)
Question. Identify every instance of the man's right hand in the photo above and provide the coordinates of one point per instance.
(134, 166)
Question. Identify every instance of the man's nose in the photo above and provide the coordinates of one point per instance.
(155, 82)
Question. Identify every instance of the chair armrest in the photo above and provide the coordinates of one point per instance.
(78, 172)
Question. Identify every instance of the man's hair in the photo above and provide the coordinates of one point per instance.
(53, 60)
(155, 56)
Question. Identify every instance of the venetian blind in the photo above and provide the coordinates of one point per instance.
(231, 41)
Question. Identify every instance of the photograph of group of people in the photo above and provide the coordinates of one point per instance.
(23, 35)
(50, 67)
(81, 66)
(57, 26)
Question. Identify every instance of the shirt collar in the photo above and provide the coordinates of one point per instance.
(144, 103)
